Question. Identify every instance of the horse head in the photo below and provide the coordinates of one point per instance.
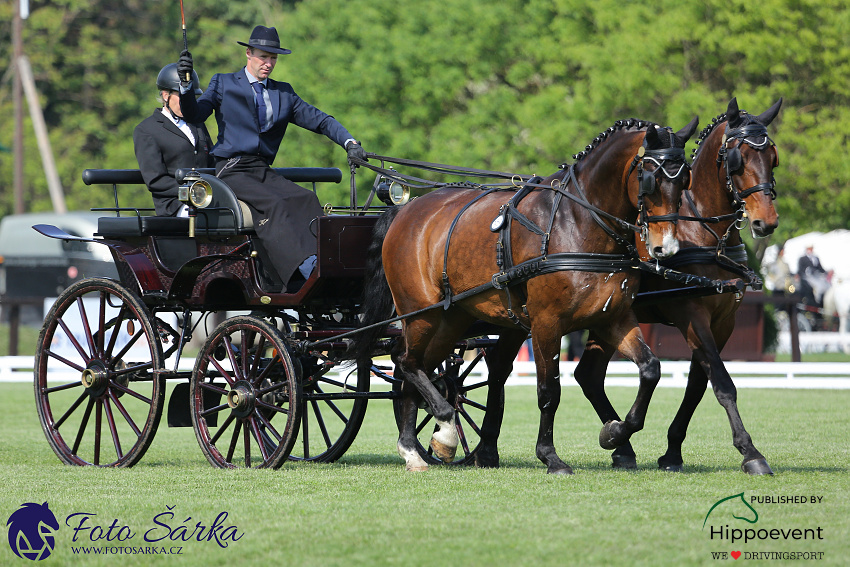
(662, 175)
(745, 157)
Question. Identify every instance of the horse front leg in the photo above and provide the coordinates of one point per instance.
(547, 359)
(616, 433)
(706, 364)
(590, 375)
(500, 363)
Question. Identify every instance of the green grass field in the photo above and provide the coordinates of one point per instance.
(365, 510)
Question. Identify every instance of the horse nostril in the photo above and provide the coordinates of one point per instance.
(658, 251)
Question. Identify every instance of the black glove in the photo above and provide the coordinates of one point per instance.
(355, 150)
(185, 67)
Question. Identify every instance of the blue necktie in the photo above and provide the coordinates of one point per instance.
(261, 105)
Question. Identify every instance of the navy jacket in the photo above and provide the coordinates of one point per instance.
(231, 97)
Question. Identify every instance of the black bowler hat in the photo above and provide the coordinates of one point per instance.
(266, 39)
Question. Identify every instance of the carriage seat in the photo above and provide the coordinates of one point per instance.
(225, 216)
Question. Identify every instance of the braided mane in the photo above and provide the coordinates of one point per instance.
(618, 125)
(706, 131)
(746, 116)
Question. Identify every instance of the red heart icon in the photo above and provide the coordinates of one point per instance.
(735, 554)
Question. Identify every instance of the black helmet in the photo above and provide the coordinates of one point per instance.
(169, 80)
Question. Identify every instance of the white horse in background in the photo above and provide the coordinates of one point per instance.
(836, 302)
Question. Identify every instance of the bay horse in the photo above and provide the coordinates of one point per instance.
(549, 258)
(732, 184)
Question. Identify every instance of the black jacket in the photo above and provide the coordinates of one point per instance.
(161, 148)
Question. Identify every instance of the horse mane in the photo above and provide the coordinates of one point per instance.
(717, 120)
(618, 125)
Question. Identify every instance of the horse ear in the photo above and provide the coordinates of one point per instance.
(651, 136)
(732, 112)
(768, 115)
(685, 133)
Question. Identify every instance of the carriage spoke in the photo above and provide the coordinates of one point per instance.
(130, 344)
(84, 318)
(126, 414)
(68, 386)
(224, 373)
(115, 323)
(468, 418)
(213, 388)
(255, 366)
(71, 409)
(321, 421)
(461, 434)
(267, 425)
(472, 403)
(64, 360)
(110, 421)
(305, 434)
(83, 424)
(98, 424)
(216, 409)
(259, 437)
(247, 441)
(130, 392)
(234, 440)
(423, 423)
(222, 428)
(265, 405)
(83, 354)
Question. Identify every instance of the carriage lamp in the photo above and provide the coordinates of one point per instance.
(392, 192)
(196, 192)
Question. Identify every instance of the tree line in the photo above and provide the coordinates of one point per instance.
(514, 85)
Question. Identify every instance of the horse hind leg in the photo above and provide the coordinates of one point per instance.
(499, 361)
(444, 440)
(408, 445)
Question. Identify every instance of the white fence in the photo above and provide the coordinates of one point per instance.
(828, 375)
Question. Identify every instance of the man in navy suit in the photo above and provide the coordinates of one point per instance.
(253, 112)
(165, 142)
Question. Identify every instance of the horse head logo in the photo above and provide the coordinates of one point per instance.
(733, 507)
(31, 528)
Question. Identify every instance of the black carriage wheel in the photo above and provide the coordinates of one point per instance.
(245, 396)
(468, 396)
(332, 412)
(98, 391)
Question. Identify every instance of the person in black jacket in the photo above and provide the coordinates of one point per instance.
(165, 142)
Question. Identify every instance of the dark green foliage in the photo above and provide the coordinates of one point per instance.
(511, 85)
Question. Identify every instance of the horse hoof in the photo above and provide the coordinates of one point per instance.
(627, 462)
(756, 466)
(415, 468)
(483, 462)
(445, 453)
(671, 468)
(613, 435)
(561, 470)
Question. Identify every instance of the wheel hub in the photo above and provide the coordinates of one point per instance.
(95, 378)
(241, 398)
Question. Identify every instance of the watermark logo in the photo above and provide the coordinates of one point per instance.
(31, 528)
(731, 521)
(731, 506)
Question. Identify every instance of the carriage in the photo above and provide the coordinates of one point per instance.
(270, 375)
(281, 378)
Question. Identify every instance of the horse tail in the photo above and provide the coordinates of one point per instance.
(377, 303)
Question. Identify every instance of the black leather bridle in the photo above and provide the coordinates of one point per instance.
(754, 135)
